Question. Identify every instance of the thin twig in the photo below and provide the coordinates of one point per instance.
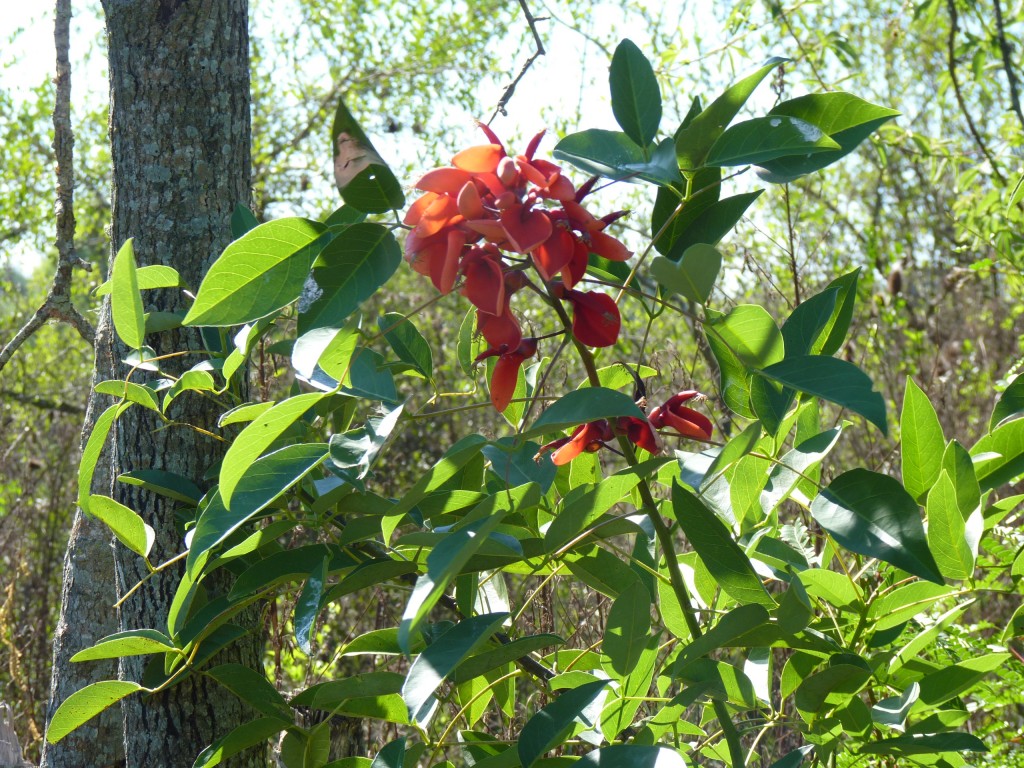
(511, 89)
(951, 66)
(1004, 49)
(57, 304)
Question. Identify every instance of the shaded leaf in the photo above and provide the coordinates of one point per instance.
(548, 726)
(693, 276)
(636, 99)
(754, 142)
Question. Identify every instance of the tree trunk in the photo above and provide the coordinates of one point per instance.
(180, 143)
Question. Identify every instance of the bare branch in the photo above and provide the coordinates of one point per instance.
(511, 89)
(58, 304)
(1011, 76)
(43, 403)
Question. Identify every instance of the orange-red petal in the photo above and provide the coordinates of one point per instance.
(554, 254)
(526, 228)
(469, 202)
(415, 212)
(608, 247)
(443, 181)
(437, 216)
(481, 159)
(595, 319)
(485, 285)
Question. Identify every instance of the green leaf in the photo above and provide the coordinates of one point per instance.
(632, 756)
(750, 334)
(263, 482)
(242, 220)
(734, 381)
(924, 744)
(287, 565)
(636, 99)
(721, 555)
(943, 684)
(258, 436)
(348, 271)
(548, 727)
(834, 380)
(754, 142)
(794, 758)
(693, 276)
(240, 739)
(921, 441)
(839, 324)
(150, 276)
(872, 514)
(583, 405)
(999, 455)
(892, 711)
(130, 392)
(81, 706)
(1010, 404)
(956, 461)
(584, 509)
(695, 140)
(796, 463)
(845, 118)
(363, 178)
(831, 686)
(804, 329)
(954, 551)
(134, 642)
(126, 524)
(602, 571)
(447, 558)
(392, 755)
(407, 342)
(253, 688)
(487, 660)
(358, 448)
(307, 607)
(330, 349)
(615, 156)
(904, 603)
(628, 628)
(260, 273)
(440, 658)
(468, 346)
(93, 449)
(169, 484)
(703, 220)
(125, 300)
(736, 623)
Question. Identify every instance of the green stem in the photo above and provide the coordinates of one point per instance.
(650, 508)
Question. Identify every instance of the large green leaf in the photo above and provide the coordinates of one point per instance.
(734, 381)
(126, 524)
(750, 334)
(762, 139)
(583, 405)
(805, 327)
(719, 552)
(892, 710)
(694, 141)
(736, 623)
(1010, 404)
(794, 465)
(93, 449)
(921, 441)
(614, 155)
(947, 682)
(288, 565)
(125, 300)
(845, 118)
(872, 514)
(148, 277)
(628, 628)
(253, 688)
(834, 380)
(81, 706)
(259, 273)
(693, 276)
(407, 342)
(956, 461)
(833, 685)
(924, 744)
(585, 508)
(441, 658)
(363, 178)
(954, 549)
(247, 735)
(348, 271)
(258, 436)
(169, 484)
(702, 220)
(632, 756)
(636, 99)
(307, 607)
(454, 459)
(548, 727)
(999, 455)
(134, 642)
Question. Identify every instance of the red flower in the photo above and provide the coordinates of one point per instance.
(686, 421)
(639, 432)
(595, 318)
(588, 438)
(506, 371)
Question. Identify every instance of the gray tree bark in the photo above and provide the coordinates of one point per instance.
(180, 144)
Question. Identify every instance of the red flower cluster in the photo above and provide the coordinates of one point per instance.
(594, 435)
(489, 203)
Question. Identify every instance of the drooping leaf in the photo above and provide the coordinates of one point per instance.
(627, 630)
(253, 688)
(239, 739)
(762, 139)
(736, 623)
(632, 756)
(260, 273)
(924, 744)
(257, 437)
(636, 99)
(307, 607)
(548, 726)
(134, 642)
(834, 380)
(921, 442)
(794, 465)
(845, 118)
(947, 531)
(872, 514)
(348, 271)
(407, 342)
(999, 455)
(695, 140)
(718, 550)
(583, 405)
(81, 706)
(702, 220)
(125, 300)
(358, 448)
(750, 334)
(363, 178)
(328, 349)
(148, 277)
(693, 276)
(892, 710)
(441, 658)
(93, 449)
(126, 524)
